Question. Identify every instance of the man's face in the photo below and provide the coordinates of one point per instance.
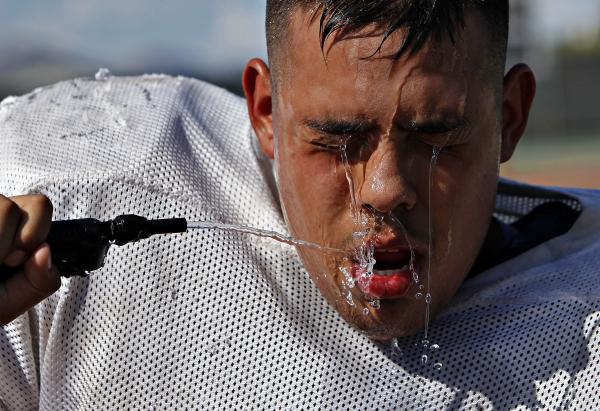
(422, 215)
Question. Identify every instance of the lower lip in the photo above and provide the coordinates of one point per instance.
(382, 286)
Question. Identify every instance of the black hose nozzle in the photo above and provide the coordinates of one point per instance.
(130, 228)
(80, 246)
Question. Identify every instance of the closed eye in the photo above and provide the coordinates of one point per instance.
(443, 134)
(442, 126)
(336, 143)
(326, 146)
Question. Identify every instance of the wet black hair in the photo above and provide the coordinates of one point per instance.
(422, 19)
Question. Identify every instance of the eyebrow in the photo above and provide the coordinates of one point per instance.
(341, 127)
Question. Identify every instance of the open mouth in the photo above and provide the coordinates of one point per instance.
(392, 274)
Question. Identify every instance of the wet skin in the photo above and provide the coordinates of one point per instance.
(392, 114)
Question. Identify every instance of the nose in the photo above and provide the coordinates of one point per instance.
(386, 187)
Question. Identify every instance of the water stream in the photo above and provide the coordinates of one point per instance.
(434, 157)
(210, 225)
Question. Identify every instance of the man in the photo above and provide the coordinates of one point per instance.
(379, 130)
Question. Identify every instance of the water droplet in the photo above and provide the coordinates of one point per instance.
(421, 287)
(428, 298)
(102, 74)
(438, 366)
(375, 304)
(349, 279)
(424, 359)
(366, 311)
(418, 296)
(349, 299)
(120, 121)
(415, 277)
(425, 343)
(434, 347)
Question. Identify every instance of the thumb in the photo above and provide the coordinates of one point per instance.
(41, 277)
(35, 282)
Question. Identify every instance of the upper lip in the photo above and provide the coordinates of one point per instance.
(392, 242)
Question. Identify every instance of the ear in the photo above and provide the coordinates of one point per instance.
(256, 81)
(519, 91)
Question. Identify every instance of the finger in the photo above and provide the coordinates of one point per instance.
(35, 222)
(10, 219)
(15, 258)
(25, 289)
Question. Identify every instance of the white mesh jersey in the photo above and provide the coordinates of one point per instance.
(217, 320)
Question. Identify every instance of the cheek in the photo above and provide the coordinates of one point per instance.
(462, 202)
(313, 190)
(467, 186)
(459, 199)
(468, 174)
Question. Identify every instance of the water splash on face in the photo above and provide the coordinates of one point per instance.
(367, 223)
(350, 300)
(399, 224)
(350, 281)
(353, 201)
(364, 224)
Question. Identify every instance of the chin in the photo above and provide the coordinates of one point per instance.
(374, 327)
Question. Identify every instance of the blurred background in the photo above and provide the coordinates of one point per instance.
(43, 41)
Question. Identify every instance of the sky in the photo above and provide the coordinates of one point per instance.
(210, 34)
(556, 20)
(214, 36)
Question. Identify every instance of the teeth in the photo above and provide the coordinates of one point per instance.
(390, 272)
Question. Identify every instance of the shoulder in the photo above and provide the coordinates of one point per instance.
(84, 141)
(114, 125)
(563, 268)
